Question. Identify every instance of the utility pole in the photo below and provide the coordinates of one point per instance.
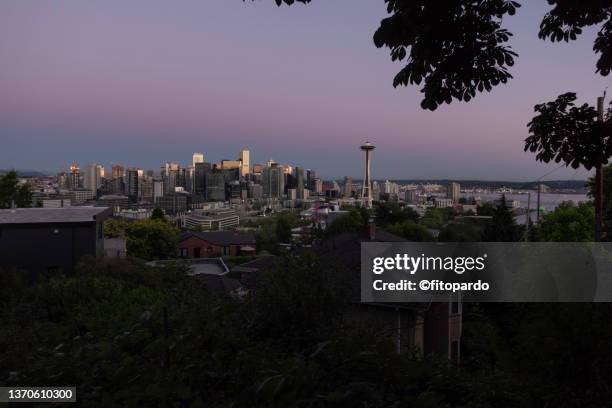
(599, 177)
(538, 202)
(528, 222)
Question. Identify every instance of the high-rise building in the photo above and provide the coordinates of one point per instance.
(348, 187)
(273, 181)
(230, 165)
(133, 183)
(74, 177)
(92, 180)
(116, 172)
(453, 191)
(244, 162)
(311, 175)
(215, 185)
(199, 178)
(197, 158)
(257, 169)
(299, 185)
(171, 176)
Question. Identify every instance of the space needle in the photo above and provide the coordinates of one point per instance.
(366, 192)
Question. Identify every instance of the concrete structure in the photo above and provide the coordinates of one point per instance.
(212, 220)
(366, 191)
(51, 240)
(453, 191)
(244, 162)
(197, 158)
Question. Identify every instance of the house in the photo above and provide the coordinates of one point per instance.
(42, 240)
(215, 243)
(432, 327)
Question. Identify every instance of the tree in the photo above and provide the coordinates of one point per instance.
(353, 221)
(567, 223)
(412, 231)
(458, 48)
(393, 213)
(502, 228)
(460, 232)
(151, 239)
(283, 229)
(158, 214)
(11, 192)
(573, 135)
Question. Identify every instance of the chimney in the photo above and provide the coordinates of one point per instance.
(372, 230)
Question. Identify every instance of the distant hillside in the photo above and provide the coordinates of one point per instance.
(516, 185)
(25, 173)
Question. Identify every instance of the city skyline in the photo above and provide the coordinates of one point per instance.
(144, 85)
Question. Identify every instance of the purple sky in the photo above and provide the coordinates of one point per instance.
(144, 82)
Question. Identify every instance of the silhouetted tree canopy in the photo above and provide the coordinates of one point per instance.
(455, 49)
(567, 133)
(12, 192)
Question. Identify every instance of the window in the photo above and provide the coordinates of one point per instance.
(184, 253)
(100, 231)
(196, 252)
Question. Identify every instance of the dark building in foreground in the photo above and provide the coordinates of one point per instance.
(41, 240)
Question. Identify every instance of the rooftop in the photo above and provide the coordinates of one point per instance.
(53, 215)
(221, 237)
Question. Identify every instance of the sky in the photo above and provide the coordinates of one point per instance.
(143, 82)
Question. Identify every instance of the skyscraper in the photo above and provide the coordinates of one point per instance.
(299, 175)
(366, 191)
(74, 177)
(311, 175)
(117, 172)
(273, 181)
(244, 162)
(197, 158)
(92, 180)
(132, 183)
(453, 191)
(199, 176)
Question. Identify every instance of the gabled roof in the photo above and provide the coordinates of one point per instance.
(220, 237)
(53, 215)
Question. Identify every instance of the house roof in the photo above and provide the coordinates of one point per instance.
(220, 237)
(53, 215)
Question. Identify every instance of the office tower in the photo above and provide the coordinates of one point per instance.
(116, 172)
(189, 180)
(257, 169)
(101, 174)
(311, 175)
(244, 162)
(150, 174)
(158, 188)
(215, 185)
(91, 180)
(273, 181)
(62, 181)
(348, 187)
(171, 177)
(132, 183)
(366, 191)
(318, 185)
(453, 191)
(299, 185)
(74, 177)
(147, 189)
(255, 191)
(199, 178)
(197, 158)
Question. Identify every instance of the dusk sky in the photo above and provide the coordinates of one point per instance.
(140, 83)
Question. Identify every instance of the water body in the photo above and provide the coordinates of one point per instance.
(548, 201)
